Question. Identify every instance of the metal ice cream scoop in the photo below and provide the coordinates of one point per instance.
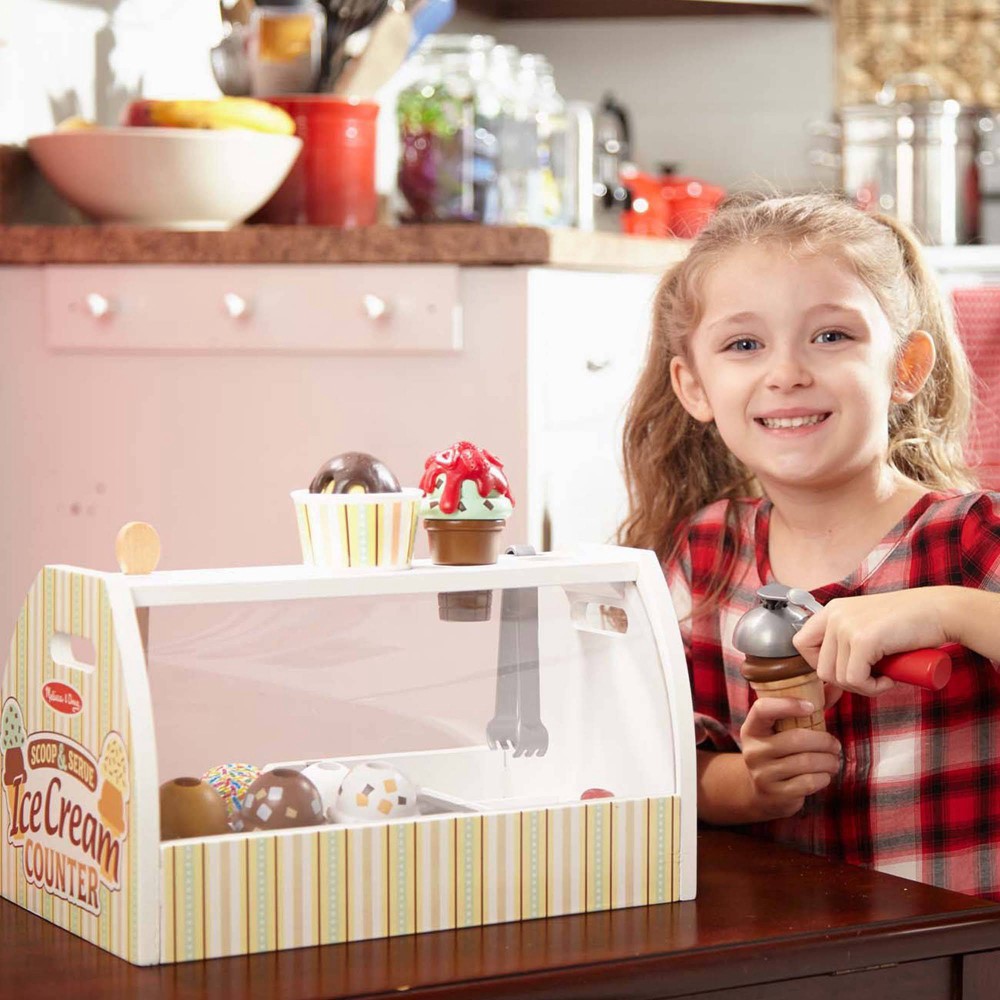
(767, 631)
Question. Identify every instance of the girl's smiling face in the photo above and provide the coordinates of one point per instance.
(794, 360)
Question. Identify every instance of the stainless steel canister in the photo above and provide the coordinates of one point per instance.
(916, 160)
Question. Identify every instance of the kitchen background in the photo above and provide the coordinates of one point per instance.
(727, 98)
(192, 379)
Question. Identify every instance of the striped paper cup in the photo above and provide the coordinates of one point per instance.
(357, 530)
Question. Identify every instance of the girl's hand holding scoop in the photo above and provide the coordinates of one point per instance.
(850, 635)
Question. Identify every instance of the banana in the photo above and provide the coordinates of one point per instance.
(224, 113)
(75, 124)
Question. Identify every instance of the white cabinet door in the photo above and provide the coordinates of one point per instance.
(587, 340)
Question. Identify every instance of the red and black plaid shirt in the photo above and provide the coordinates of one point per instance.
(919, 790)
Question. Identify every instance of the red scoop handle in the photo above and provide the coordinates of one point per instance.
(926, 668)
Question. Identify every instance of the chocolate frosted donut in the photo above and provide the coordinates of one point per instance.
(354, 472)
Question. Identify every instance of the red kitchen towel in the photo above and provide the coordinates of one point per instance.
(977, 317)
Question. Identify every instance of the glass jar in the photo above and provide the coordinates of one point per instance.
(550, 201)
(286, 41)
(448, 119)
(518, 137)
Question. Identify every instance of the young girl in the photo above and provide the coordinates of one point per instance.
(800, 419)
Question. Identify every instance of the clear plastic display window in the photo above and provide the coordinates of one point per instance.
(560, 693)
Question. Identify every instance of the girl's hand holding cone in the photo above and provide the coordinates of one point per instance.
(785, 767)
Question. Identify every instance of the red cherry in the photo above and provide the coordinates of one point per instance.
(597, 793)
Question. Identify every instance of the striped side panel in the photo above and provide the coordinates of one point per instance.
(501, 868)
(598, 851)
(567, 860)
(189, 902)
(262, 904)
(436, 870)
(332, 850)
(675, 805)
(629, 853)
(367, 882)
(348, 884)
(168, 927)
(402, 882)
(661, 877)
(534, 870)
(298, 891)
(225, 869)
(468, 871)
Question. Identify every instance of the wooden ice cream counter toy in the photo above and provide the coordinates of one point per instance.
(577, 682)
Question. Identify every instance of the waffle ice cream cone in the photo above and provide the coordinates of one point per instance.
(807, 687)
(788, 677)
(113, 766)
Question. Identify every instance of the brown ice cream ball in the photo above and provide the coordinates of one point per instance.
(354, 472)
(280, 799)
(190, 807)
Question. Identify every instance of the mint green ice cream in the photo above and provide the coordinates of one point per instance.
(471, 506)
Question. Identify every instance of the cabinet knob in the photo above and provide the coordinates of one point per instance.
(236, 305)
(98, 305)
(597, 364)
(375, 306)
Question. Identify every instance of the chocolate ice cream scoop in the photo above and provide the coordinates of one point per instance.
(354, 472)
(280, 799)
(13, 766)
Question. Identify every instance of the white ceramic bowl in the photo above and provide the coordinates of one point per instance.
(172, 178)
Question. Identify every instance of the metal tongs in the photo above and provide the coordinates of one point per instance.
(516, 724)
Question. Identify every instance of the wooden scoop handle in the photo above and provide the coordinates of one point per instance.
(926, 668)
(137, 549)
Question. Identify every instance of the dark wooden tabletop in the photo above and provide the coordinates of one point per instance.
(764, 914)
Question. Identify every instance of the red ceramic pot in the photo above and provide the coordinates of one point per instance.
(333, 180)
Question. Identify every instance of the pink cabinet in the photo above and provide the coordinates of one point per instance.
(197, 397)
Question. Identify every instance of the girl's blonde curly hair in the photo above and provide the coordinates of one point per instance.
(675, 465)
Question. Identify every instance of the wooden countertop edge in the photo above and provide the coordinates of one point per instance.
(740, 965)
(468, 246)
